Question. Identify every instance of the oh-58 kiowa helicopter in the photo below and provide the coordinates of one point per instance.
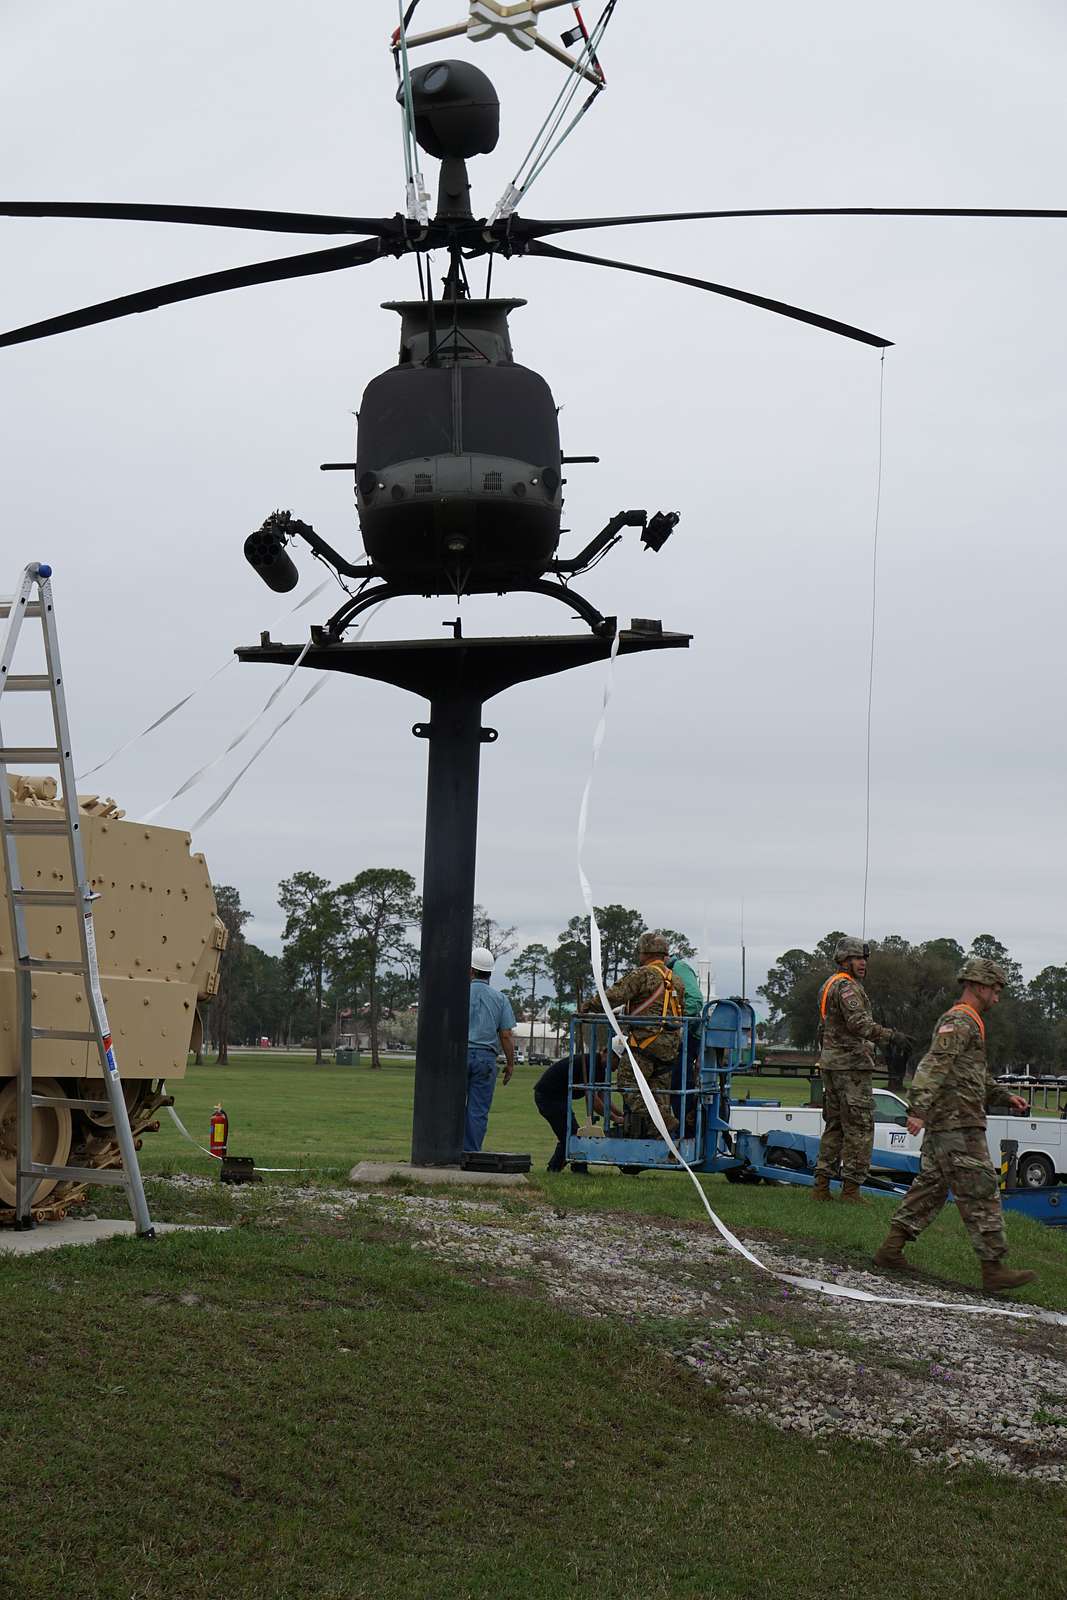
(458, 469)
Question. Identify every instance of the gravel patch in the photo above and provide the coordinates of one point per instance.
(952, 1391)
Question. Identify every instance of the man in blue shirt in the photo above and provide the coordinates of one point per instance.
(491, 1023)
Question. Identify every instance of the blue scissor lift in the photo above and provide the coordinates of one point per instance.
(726, 1042)
(726, 1034)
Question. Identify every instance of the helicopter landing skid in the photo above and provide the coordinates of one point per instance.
(603, 627)
(332, 630)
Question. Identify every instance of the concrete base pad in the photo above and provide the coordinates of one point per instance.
(52, 1235)
(382, 1171)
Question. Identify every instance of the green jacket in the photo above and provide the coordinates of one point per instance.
(693, 1004)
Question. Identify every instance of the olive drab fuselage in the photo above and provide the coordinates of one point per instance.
(458, 472)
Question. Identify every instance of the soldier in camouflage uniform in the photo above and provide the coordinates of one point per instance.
(652, 992)
(950, 1094)
(846, 1062)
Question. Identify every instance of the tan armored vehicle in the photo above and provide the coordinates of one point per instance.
(158, 941)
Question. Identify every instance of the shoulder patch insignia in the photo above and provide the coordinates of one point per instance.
(947, 1029)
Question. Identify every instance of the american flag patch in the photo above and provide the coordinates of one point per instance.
(948, 1029)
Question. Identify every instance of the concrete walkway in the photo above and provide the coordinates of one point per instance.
(53, 1235)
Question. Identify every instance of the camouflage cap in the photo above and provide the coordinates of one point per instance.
(849, 949)
(976, 969)
(652, 944)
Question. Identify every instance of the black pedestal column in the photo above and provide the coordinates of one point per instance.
(455, 736)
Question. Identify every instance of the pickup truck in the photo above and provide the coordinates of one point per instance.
(1042, 1160)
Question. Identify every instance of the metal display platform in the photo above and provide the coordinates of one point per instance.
(457, 676)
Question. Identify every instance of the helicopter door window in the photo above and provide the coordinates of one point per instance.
(509, 411)
(404, 414)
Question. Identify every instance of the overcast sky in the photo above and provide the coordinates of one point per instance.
(138, 455)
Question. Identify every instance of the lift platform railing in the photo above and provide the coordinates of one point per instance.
(594, 1061)
(697, 1098)
(727, 1045)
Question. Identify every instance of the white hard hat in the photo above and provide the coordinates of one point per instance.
(482, 959)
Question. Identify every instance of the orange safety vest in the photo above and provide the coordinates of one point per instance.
(672, 1006)
(971, 1012)
(824, 992)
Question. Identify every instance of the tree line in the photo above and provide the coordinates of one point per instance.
(910, 985)
(353, 947)
(344, 947)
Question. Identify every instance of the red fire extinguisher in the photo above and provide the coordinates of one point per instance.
(220, 1127)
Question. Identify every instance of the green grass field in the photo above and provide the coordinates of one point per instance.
(307, 1406)
(324, 1416)
(286, 1111)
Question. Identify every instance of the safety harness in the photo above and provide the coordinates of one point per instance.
(961, 1005)
(670, 1005)
(824, 992)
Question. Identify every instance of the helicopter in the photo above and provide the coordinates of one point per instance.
(458, 470)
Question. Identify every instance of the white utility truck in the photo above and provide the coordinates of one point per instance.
(1042, 1141)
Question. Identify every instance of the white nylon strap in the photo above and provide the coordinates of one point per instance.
(184, 701)
(158, 723)
(816, 1285)
(319, 684)
(216, 805)
(201, 772)
(184, 1131)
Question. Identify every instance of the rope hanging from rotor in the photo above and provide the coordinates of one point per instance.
(548, 138)
(589, 56)
(417, 194)
(874, 621)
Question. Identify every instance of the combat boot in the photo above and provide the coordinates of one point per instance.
(890, 1252)
(821, 1190)
(996, 1276)
(850, 1193)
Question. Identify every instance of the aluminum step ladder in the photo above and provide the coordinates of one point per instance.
(79, 898)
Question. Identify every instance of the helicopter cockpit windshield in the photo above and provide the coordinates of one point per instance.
(458, 480)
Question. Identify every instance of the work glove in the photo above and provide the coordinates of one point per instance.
(898, 1050)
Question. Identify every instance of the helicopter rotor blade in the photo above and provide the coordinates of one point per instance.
(538, 248)
(522, 228)
(207, 217)
(310, 264)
